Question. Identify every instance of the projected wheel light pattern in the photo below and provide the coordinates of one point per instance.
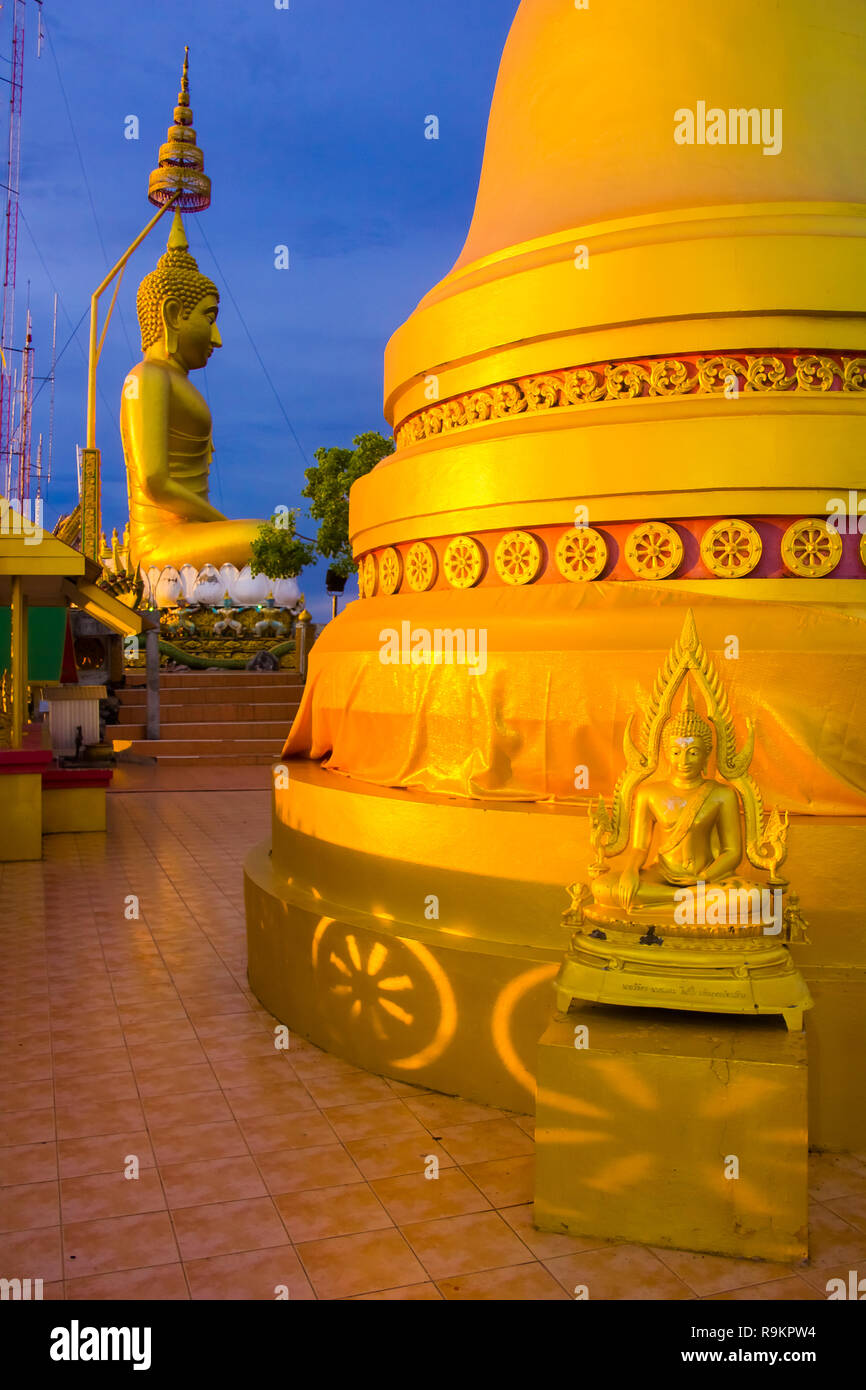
(393, 990)
(503, 1014)
(596, 1130)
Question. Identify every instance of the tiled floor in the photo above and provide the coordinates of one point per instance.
(130, 1043)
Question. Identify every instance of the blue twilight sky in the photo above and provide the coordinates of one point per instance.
(311, 121)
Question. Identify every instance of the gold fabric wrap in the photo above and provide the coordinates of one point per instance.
(565, 666)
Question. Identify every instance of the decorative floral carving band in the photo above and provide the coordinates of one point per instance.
(807, 373)
(730, 548)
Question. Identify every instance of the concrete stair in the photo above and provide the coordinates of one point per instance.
(215, 717)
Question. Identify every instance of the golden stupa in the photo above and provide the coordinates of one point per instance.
(641, 390)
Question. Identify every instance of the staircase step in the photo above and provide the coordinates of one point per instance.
(221, 760)
(244, 694)
(185, 713)
(240, 729)
(269, 748)
(211, 680)
(210, 717)
(138, 676)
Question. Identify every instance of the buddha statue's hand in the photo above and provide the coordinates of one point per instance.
(682, 875)
(629, 881)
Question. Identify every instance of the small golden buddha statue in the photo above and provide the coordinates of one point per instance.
(695, 819)
(677, 923)
(165, 423)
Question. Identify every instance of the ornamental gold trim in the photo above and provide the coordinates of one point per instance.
(390, 570)
(463, 562)
(581, 554)
(369, 572)
(653, 550)
(730, 548)
(517, 558)
(724, 373)
(811, 548)
(863, 549)
(420, 567)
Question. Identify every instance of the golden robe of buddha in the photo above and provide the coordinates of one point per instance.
(165, 423)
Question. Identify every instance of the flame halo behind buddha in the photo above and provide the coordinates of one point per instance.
(687, 930)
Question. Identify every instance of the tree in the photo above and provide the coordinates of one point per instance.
(277, 551)
(327, 489)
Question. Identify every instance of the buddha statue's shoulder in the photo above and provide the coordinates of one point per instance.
(717, 794)
(724, 792)
(153, 379)
(147, 376)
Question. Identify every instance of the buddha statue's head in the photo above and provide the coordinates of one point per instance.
(688, 743)
(178, 306)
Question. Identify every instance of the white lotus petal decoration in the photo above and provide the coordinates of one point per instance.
(286, 593)
(188, 576)
(168, 588)
(229, 575)
(151, 579)
(249, 590)
(209, 588)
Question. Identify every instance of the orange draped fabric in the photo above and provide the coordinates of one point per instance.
(565, 666)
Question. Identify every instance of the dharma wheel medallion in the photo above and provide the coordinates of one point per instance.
(390, 570)
(369, 572)
(518, 558)
(463, 562)
(421, 567)
(811, 548)
(730, 548)
(863, 549)
(653, 550)
(581, 554)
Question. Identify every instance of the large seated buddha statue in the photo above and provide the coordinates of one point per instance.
(671, 918)
(165, 423)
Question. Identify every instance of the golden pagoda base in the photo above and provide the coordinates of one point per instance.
(752, 975)
(339, 907)
(674, 1130)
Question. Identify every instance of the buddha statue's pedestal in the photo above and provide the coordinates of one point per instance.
(670, 1129)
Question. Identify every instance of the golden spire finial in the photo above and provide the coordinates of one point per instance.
(181, 162)
(176, 274)
(177, 236)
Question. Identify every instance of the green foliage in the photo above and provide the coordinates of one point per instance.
(327, 489)
(277, 551)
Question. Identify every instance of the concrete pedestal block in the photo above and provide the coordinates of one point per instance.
(73, 800)
(682, 1130)
(21, 817)
(21, 803)
(73, 811)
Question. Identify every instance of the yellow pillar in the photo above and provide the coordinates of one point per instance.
(91, 503)
(19, 660)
